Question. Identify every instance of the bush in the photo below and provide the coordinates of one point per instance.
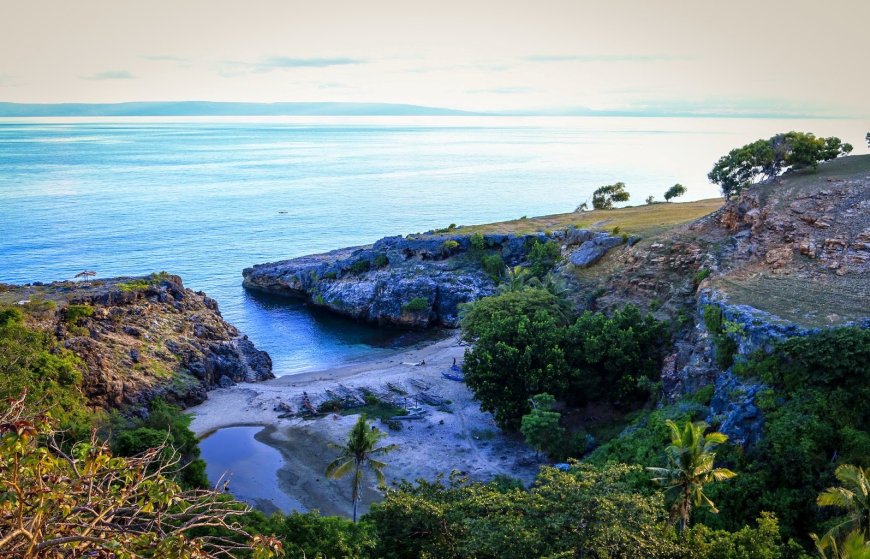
(477, 242)
(493, 264)
(381, 261)
(361, 266)
(675, 191)
(74, 313)
(415, 305)
(542, 257)
(448, 246)
(724, 345)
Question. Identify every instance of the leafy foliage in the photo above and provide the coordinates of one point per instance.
(542, 257)
(586, 512)
(359, 451)
(89, 503)
(168, 428)
(690, 468)
(674, 192)
(604, 196)
(766, 159)
(492, 264)
(522, 348)
(541, 427)
(360, 266)
(32, 362)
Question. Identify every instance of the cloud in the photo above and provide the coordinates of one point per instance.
(111, 75)
(165, 58)
(602, 58)
(503, 90)
(277, 62)
(232, 68)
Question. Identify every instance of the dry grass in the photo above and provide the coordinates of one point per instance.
(639, 220)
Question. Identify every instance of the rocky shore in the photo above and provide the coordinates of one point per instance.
(419, 280)
(142, 337)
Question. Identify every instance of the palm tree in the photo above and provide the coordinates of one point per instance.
(516, 278)
(690, 468)
(854, 546)
(358, 451)
(853, 494)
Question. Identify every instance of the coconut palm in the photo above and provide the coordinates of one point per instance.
(516, 278)
(357, 452)
(853, 494)
(854, 546)
(690, 468)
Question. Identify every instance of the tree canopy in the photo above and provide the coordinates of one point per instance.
(764, 160)
(674, 192)
(604, 196)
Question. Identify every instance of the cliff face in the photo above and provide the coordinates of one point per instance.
(415, 281)
(141, 338)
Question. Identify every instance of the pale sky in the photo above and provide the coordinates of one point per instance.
(724, 56)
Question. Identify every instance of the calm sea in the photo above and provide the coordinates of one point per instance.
(204, 198)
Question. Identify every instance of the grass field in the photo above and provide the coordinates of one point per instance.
(641, 220)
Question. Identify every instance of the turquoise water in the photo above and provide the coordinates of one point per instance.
(205, 198)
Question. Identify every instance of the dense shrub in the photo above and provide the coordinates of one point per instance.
(522, 348)
(724, 344)
(381, 261)
(493, 264)
(542, 257)
(361, 266)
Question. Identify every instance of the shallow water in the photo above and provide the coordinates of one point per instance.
(201, 197)
(234, 454)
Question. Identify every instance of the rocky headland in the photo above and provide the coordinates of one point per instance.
(142, 337)
(782, 259)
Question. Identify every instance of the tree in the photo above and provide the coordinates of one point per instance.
(854, 546)
(517, 352)
(675, 191)
(764, 160)
(867, 137)
(690, 468)
(853, 494)
(359, 451)
(57, 501)
(604, 197)
(650, 200)
(541, 428)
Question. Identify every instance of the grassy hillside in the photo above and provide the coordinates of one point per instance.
(640, 220)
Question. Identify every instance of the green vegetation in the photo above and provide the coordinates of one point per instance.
(541, 427)
(674, 192)
(722, 332)
(690, 468)
(764, 160)
(526, 345)
(604, 196)
(449, 246)
(477, 242)
(542, 257)
(360, 266)
(360, 451)
(33, 363)
(381, 261)
(415, 305)
(74, 313)
(492, 264)
(85, 502)
(168, 428)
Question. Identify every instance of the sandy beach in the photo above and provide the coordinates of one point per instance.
(452, 435)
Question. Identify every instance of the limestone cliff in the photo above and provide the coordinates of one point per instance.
(141, 338)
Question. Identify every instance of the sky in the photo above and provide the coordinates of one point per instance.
(701, 57)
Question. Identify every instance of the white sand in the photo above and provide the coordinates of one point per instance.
(458, 436)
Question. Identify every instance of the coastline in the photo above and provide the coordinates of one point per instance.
(455, 436)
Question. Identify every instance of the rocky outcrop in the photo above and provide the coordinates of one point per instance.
(415, 281)
(141, 338)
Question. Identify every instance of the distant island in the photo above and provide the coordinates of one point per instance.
(211, 108)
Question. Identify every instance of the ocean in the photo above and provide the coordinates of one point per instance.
(206, 197)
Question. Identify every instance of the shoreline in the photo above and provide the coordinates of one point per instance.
(455, 435)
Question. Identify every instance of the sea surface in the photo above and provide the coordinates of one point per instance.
(206, 197)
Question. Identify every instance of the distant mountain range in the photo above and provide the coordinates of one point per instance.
(211, 108)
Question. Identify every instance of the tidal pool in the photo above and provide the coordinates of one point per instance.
(251, 467)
